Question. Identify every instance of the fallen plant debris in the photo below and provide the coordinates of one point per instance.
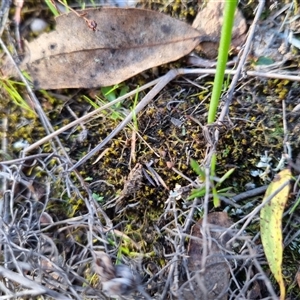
(209, 238)
(116, 280)
(209, 22)
(60, 238)
(271, 224)
(132, 184)
(120, 47)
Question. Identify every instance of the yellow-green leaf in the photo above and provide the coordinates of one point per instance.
(270, 224)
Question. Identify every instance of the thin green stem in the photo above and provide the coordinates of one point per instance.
(229, 10)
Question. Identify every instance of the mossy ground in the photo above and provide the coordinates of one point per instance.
(170, 133)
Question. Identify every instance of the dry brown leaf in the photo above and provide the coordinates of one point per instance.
(209, 22)
(124, 43)
(297, 277)
(214, 281)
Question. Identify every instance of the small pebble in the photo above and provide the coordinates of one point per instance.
(21, 144)
(38, 25)
(128, 3)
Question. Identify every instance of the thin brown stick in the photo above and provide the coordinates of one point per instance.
(42, 116)
(164, 80)
(87, 116)
(36, 289)
(242, 61)
(4, 10)
(160, 84)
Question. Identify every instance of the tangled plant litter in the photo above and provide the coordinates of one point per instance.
(89, 232)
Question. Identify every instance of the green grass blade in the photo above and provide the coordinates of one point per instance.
(52, 7)
(229, 11)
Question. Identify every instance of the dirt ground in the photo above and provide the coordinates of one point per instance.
(136, 220)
